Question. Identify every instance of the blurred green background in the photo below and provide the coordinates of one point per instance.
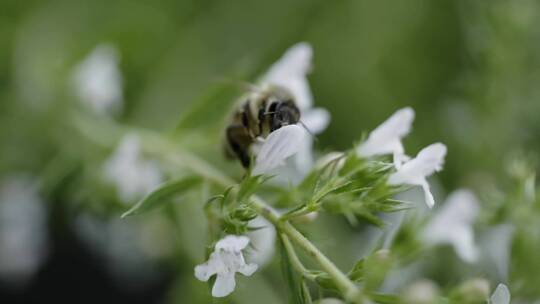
(470, 69)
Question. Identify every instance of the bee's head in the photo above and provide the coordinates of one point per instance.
(285, 113)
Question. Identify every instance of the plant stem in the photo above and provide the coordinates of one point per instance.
(162, 146)
(350, 291)
(295, 261)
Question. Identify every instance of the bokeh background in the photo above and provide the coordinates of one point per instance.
(470, 69)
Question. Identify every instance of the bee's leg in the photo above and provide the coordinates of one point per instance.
(239, 141)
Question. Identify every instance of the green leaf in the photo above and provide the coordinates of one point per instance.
(162, 195)
(249, 185)
(384, 298)
(324, 280)
(357, 272)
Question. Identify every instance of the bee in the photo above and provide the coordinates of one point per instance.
(258, 114)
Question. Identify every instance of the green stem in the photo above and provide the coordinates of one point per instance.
(157, 144)
(350, 291)
(295, 261)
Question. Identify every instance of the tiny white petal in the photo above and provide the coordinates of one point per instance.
(224, 285)
(98, 81)
(501, 295)
(290, 72)
(316, 119)
(248, 269)
(132, 175)
(428, 197)
(496, 246)
(453, 224)
(23, 229)
(278, 146)
(233, 243)
(414, 172)
(203, 272)
(386, 138)
(263, 240)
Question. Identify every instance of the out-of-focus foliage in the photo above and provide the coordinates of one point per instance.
(470, 69)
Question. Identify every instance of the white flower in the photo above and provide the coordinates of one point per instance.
(133, 176)
(263, 240)
(23, 230)
(414, 172)
(98, 81)
(277, 147)
(290, 72)
(453, 224)
(225, 261)
(501, 295)
(386, 138)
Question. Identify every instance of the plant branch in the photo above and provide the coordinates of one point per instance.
(295, 261)
(156, 143)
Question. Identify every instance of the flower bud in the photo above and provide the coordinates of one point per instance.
(421, 292)
(472, 291)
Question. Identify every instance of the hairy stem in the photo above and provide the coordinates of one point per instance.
(162, 146)
(295, 261)
(350, 291)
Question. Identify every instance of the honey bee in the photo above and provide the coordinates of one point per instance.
(258, 114)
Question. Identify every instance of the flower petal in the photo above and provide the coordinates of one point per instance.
(132, 175)
(463, 243)
(398, 125)
(430, 201)
(459, 212)
(263, 240)
(290, 72)
(386, 138)
(248, 269)
(316, 119)
(233, 243)
(98, 81)
(501, 295)
(203, 272)
(279, 145)
(224, 285)
(429, 160)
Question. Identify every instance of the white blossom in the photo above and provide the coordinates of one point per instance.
(263, 241)
(290, 72)
(23, 230)
(501, 295)
(453, 224)
(414, 172)
(132, 175)
(224, 262)
(98, 80)
(277, 147)
(386, 138)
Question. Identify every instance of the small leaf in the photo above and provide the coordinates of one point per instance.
(324, 280)
(384, 298)
(357, 272)
(162, 195)
(249, 185)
